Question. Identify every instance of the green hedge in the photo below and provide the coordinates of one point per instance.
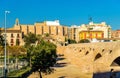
(19, 73)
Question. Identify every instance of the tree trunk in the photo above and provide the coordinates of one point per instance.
(40, 74)
(30, 62)
(16, 63)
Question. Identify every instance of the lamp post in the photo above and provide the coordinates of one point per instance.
(5, 66)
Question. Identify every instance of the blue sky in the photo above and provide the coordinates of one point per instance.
(69, 12)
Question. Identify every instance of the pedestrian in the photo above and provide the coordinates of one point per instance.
(111, 73)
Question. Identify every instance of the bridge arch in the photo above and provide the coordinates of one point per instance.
(116, 62)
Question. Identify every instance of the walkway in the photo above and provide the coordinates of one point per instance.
(64, 69)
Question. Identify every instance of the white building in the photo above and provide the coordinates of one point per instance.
(55, 23)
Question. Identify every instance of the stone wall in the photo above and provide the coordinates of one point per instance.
(92, 57)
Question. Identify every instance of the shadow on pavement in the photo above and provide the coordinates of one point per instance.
(60, 55)
(60, 58)
(60, 64)
(62, 77)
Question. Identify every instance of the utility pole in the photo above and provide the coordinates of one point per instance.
(5, 66)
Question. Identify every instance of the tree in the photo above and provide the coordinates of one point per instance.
(1, 50)
(2, 40)
(47, 35)
(30, 51)
(84, 41)
(16, 51)
(30, 40)
(70, 41)
(44, 57)
(39, 39)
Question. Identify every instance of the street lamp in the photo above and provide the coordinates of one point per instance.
(5, 66)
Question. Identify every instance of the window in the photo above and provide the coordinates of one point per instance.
(22, 34)
(18, 35)
(11, 44)
(96, 35)
(17, 42)
(102, 35)
(12, 41)
(85, 35)
(74, 30)
(12, 35)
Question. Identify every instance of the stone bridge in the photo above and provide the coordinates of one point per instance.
(93, 57)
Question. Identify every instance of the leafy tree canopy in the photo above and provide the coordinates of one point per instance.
(71, 41)
(44, 57)
(29, 39)
(41, 56)
(16, 50)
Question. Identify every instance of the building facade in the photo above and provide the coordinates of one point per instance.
(53, 28)
(72, 32)
(91, 31)
(58, 32)
(91, 35)
(116, 34)
(13, 37)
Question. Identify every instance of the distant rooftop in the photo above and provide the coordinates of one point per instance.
(102, 23)
(56, 22)
(75, 26)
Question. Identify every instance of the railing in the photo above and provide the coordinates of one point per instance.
(11, 66)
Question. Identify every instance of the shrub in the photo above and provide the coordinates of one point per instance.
(84, 41)
(71, 41)
(19, 73)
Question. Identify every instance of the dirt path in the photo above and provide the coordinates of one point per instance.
(64, 69)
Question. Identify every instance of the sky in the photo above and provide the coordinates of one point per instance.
(68, 12)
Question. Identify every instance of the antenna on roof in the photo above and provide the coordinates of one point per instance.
(90, 19)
